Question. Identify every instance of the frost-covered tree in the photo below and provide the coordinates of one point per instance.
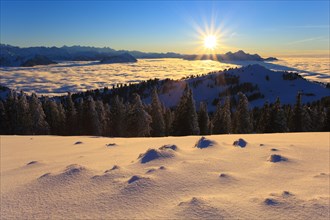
(203, 119)
(157, 116)
(71, 116)
(52, 116)
(138, 120)
(99, 106)
(226, 117)
(185, 116)
(3, 119)
(117, 117)
(62, 118)
(168, 117)
(264, 125)
(317, 119)
(243, 117)
(297, 119)
(306, 124)
(107, 118)
(23, 115)
(39, 124)
(326, 126)
(217, 120)
(278, 117)
(92, 125)
(80, 116)
(11, 112)
(222, 123)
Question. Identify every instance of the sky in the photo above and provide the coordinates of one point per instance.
(264, 27)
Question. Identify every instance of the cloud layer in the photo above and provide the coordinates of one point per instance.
(78, 76)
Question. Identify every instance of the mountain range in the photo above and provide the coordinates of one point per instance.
(229, 56)
(17, 56)
(31, 56)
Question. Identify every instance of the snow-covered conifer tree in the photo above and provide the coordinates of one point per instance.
(203, 119)
(168, 117)
(99, 106)
(23, 115)
(278, 117)
(216, 120)
(39, 123)
(244, 124)
(52, 116)
(3, 119)
(185, 116)
(71, 116)
(62, 118)
(297, 115)
(92, 125)
(226, 117)
(117, 117)
(157, 124)
(138, 120)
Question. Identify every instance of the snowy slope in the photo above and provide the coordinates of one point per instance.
(207, 89)
(93, 177)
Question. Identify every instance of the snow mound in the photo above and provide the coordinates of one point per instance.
(240, 143)
(115, 167)
(270, 202)
(198, 208)
(153, 154)
(204, 143)
(323, 175)
(134, 178)
(192, 201)
(32, 162)
(44, 175)
(227, 178)
(223, 175)
(274, 158)
(78, 142)
(169, 146)
(66, 176)
(152, 170)
(286, 194)
(74, 169)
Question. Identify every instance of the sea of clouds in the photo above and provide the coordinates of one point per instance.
(79, 76)
(83, 75)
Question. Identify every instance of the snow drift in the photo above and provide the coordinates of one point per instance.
(49, 177)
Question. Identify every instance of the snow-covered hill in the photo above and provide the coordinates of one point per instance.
(257, 82)
(269, 176)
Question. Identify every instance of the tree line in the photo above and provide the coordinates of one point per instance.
(29, 115)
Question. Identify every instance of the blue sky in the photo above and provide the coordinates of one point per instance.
(265, 27)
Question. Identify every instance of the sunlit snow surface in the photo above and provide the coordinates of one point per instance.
(82, 75)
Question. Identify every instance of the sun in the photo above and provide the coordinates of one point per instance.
(210, 42)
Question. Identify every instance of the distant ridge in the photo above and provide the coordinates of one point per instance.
(236, 56)
(16, 56)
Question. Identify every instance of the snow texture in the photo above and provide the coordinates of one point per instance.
(221, 182)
